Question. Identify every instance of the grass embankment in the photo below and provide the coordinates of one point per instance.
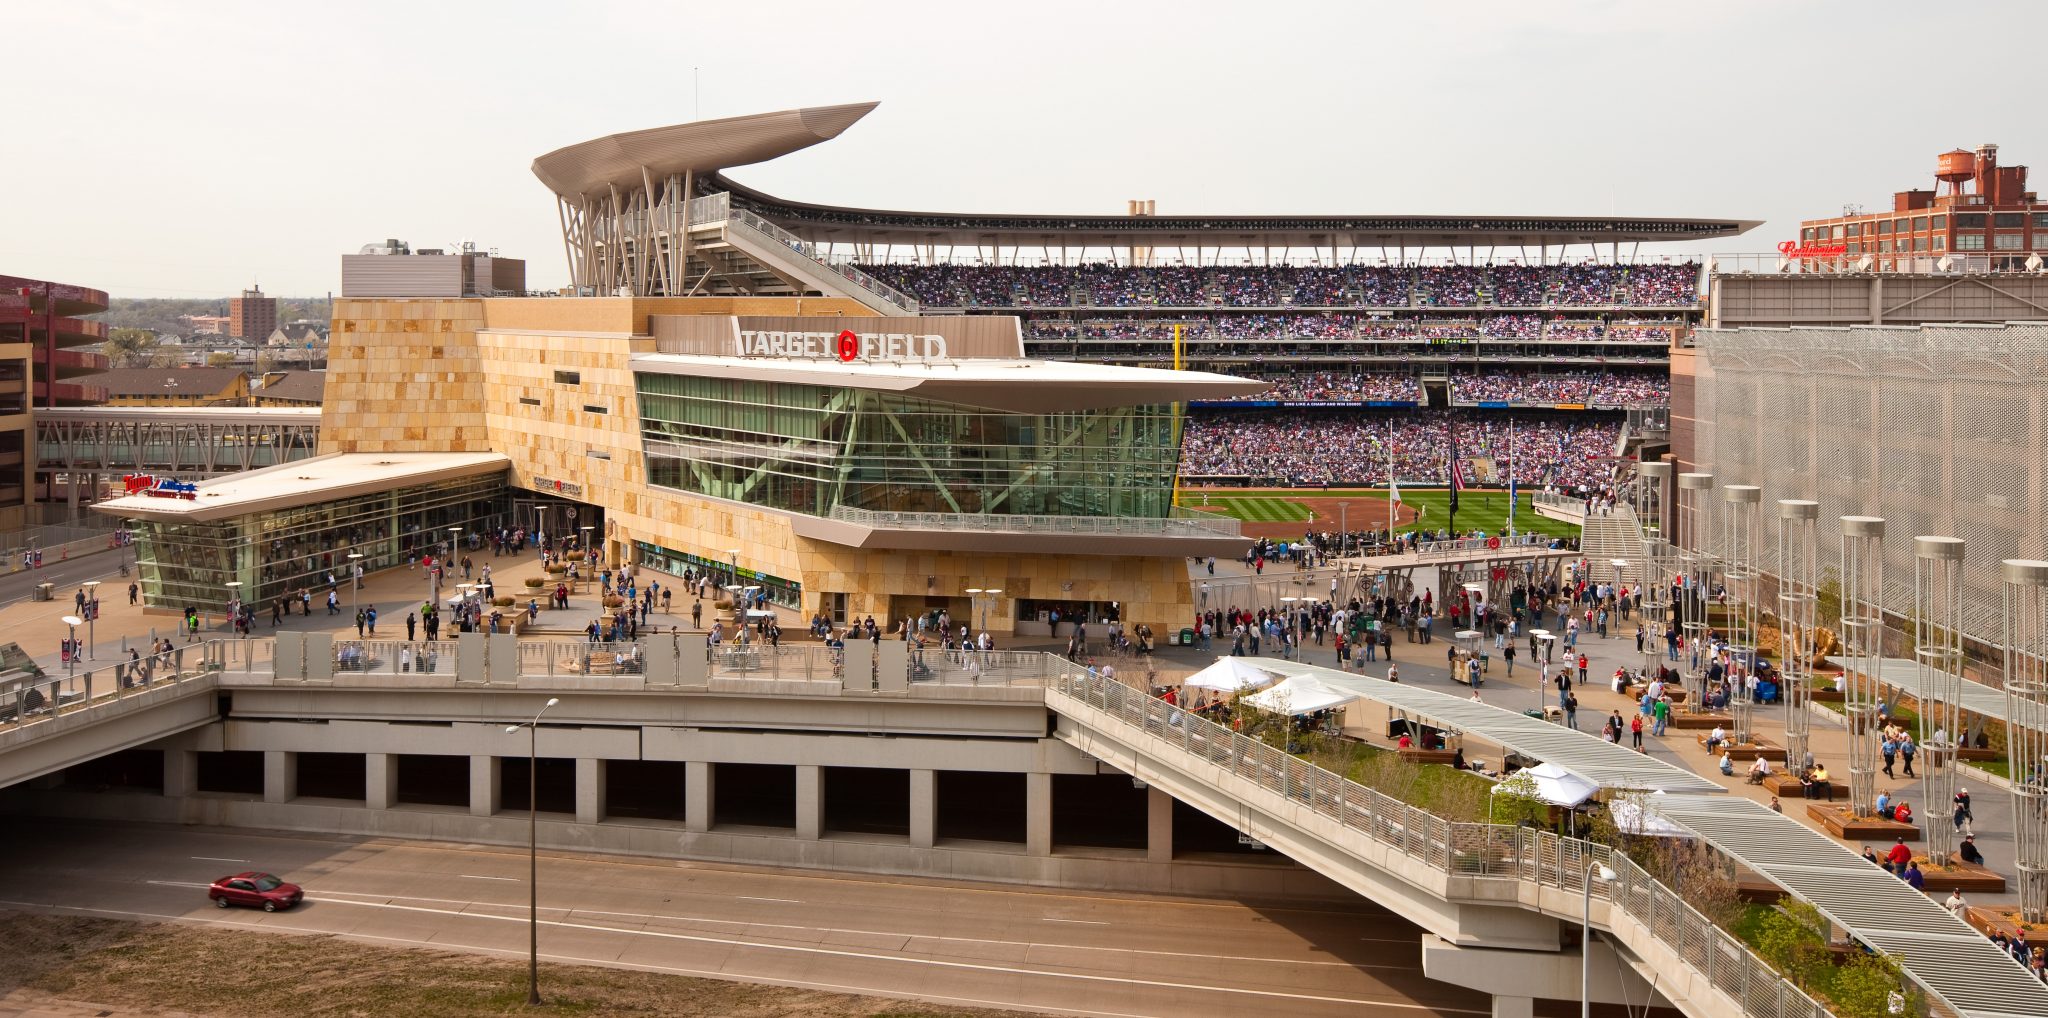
(234, 974)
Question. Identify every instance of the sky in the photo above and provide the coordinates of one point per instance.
(191, 149)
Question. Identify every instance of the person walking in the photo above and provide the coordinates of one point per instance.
(1582, 669)
(134, 592)
(412, 626)
(1890, 748)
(360, 620)
(1635, 731)
(1571, 709)
(1962, 816)
(1906, 752)
(1508, 652)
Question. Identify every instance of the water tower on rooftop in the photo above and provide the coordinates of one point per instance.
(1956, 168)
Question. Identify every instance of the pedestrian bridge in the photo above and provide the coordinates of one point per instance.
(1497, 902)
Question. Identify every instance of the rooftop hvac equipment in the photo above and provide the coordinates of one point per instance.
(391, 246)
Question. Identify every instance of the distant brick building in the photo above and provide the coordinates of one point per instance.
(252, 316)
(1987, 211)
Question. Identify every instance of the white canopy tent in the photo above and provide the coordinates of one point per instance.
(1229, 675)
(1641, 818)
(1558, 786)
(1300, 694)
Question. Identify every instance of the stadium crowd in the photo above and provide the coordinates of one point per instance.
(1259, 326)
(1605, 388)
(1344, 386)
(1317, 447)
(1102, 284)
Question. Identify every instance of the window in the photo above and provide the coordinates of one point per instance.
(1919, 243)
(2041, 220)
(2008, 220)
(529, 401)
(1940, 242)
(1806, 234)
(599, 454)
(1969, 220)
(1852, 230)
(2008, 242)
(1969, 241)
(1939, 222)
(1885, 245)
(1885, 227)
(1855, 247)
(593, 408)
(568, 378)
(1919, 223)
(2041, 241)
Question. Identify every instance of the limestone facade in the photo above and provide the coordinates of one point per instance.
(548, 382)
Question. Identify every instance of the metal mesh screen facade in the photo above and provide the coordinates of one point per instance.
(1939, 429)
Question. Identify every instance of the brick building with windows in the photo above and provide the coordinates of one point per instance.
(1977, 208)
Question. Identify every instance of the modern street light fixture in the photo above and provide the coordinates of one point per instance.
(92, 615)
(1593, 869)
(984, 596)
(71, 644)
(355, 581)
(533, 851)
(234, 603)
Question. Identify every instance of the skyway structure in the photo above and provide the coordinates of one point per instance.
(1493, 898)
(188, 442)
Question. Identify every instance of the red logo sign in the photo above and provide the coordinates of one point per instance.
(1794, 249)
(849, 345)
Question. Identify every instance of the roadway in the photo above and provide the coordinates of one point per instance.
(969, 944)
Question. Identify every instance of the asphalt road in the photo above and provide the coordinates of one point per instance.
(105, 565)
(1076, 953)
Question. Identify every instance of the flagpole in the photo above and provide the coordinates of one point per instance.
(1514, 458)
(1394, 493)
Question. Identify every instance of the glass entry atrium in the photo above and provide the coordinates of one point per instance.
(280, 552)
(811, 449)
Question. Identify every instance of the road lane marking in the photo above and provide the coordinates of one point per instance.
(475, 876)
(282, 922)
(176, 883)
(215, 858)
(324, 893)
(786, 901)
(1083, 922)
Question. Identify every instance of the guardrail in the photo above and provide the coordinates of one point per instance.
(1184, 523)
(777, 235)
(25, 699)
(1461, 849)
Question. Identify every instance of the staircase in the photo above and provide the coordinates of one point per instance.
(1616, 535)
(735, 252)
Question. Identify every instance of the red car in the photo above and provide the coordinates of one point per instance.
(260, 890)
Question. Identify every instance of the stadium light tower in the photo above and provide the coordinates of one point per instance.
(2026, 726)
(1863, 650)
(1938, 653)
(1696, 564)
(1738, 576)
(1798, 572)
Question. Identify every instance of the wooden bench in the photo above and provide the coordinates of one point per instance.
(1429, 756)
(1787, 786)
(1961, 876)
(1746, 751)
(1672, 693)
(1680, 719)
(1838, 821)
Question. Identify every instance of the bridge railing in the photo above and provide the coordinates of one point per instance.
(1462, 849)
(25, 699)
(1478, 545)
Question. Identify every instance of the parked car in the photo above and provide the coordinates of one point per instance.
(257, 890)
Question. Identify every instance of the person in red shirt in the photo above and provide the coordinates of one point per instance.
(1635, 730)
(1900, 855)
(1582, 669)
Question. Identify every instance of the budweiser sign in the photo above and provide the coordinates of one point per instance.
(1794, 249)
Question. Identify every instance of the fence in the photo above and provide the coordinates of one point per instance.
(28, 698)
(1462, 849)
(58, 542)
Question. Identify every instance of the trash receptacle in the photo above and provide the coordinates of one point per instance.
(1533, 713)
(46, 592)
(1187, 637)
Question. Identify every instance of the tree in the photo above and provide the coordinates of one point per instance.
(1515, 801)
(1793, 939)
(219, 359)
(130, 348)
(1863, 989)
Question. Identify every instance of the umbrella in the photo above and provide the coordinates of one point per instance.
(1300, 694)
(1228, 675)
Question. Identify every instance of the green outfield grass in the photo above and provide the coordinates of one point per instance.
(1487, 510)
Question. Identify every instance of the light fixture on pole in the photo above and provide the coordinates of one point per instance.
(533, 850)
(1594, 869)
(92, 614)
(234, 603)
(1543, 639)
(71, 643)
(589, 563)
(355, 581)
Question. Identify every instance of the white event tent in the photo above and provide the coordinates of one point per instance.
(1300, 694)
(1228, 675)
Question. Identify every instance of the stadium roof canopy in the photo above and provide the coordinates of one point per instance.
(706, 147)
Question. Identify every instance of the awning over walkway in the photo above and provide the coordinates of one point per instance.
(1604, 763)
(305, 482)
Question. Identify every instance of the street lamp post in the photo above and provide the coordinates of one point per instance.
(1593, 869)
(92, 615)
(71, 644)
(355, 581)
(589, 563)
(984, 597)
(533, 851)
(234, 603)
(1542, 663)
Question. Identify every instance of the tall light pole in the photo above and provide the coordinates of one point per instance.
(589, 562)
(533, 851)
(1593, 869)
(355, 581)
(983, 597)
(234, 603)
(71, 644)
(92, 614)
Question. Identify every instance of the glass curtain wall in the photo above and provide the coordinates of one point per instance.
(282, 552)
(808, 449)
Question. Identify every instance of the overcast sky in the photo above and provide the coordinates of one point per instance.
(188, 149)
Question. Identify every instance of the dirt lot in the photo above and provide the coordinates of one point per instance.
(133, 968)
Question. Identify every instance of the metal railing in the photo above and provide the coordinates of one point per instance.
(1557, 502)
(25, 699)
(1460, 849)
(1648, 419)
(1938, 263)
(1183, 523)
(777, 235)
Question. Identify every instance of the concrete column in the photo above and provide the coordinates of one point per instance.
(483, 785)
(1158, 825)
(1513, 1007)
(589, 790)
(810, 801)
(924, 808)
(700, 788)
(181, 772)
(1037, 814)
(380, 780)
(280, 775)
